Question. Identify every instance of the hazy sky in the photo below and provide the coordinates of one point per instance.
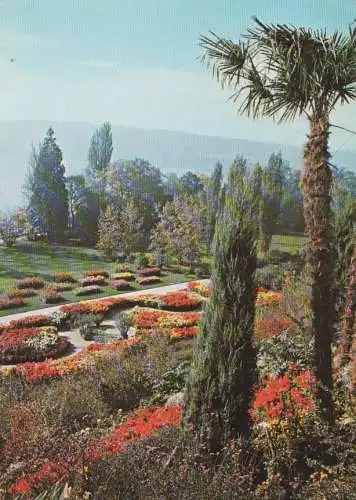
(134, 62)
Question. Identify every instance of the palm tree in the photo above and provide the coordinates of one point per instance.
(284, 72)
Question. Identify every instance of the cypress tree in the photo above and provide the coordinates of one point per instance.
(223, 370)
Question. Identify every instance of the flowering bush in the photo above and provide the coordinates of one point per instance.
(88, 290)
(16, 293)
(93, 280)
(148, 280)
(31, 282)
(120, 284)
(180, 300)
(144, 422)
(128, 276)
(284, 397)
(149, 271)
(31, 344)
(11, 303)
(97, 272)
(63, 277)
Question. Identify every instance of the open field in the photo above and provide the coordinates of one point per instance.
(37, 259)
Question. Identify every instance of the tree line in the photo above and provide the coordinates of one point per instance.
(125, 206)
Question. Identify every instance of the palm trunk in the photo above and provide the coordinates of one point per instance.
(317, 179)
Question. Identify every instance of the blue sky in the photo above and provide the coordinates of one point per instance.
(134, 62)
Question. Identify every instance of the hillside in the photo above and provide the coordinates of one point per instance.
(170, 151)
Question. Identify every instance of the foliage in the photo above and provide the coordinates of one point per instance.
(169, 383)
(276, 353)
(46, 189)
(270, 276)
(109, 232)
(51, 296)
(220, 384)
(22, 293)
(141, 261)
(87, 324)
(9, 230)
(96, 272)
(93, 280)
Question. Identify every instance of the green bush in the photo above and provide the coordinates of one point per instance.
(141, 260)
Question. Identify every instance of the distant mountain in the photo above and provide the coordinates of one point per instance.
(170, 151)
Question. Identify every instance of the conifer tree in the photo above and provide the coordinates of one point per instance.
(222, 376)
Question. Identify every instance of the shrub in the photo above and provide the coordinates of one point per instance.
(93, 280)
(87, 324)
(31, 282)
(16, 293)
(64, 277)
(141, 260)
(148, 280)
(97, 272)
(120, 284)
(202, 272)
(88, 290)
(11, 303)
(125, 275)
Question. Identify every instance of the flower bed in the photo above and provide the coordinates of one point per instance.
(31, 282)
(63, 277)
(88, 290)
(11, 303)
(149, 271)
(28, 322)
(124, 268)
(148, 280)
(61, 287)
(128, 276)
(120, 284)
(51, 296)
(96, 272)
(17, 293)
(180, 300)
(93, 280)
(175, 324)
(31, 344)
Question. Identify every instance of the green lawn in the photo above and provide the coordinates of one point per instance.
(29, 259)
(286, 243)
